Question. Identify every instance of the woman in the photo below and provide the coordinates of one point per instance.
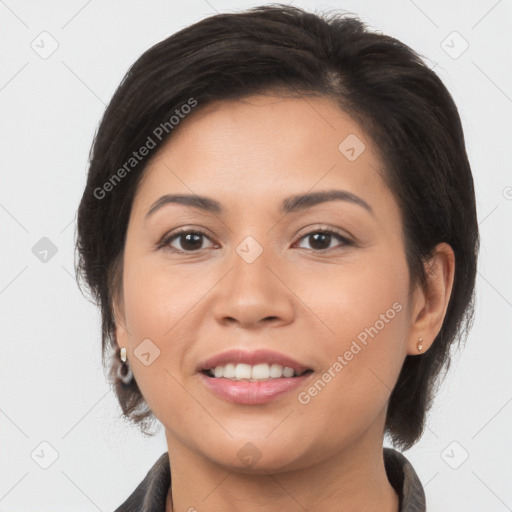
(279, 226)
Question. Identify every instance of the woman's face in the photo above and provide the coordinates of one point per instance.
(263, 274)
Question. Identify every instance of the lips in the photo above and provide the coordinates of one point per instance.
(237, 356)
(254, 393)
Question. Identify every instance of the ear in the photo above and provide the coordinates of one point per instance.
(121, 331)
(430, 305)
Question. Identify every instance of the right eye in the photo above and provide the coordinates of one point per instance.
(189, 240)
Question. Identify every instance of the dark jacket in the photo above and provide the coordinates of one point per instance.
(151, 494)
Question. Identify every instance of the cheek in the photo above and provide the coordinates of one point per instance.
(153, 305)
(158, 297)
(363, 309)
(357, 297)
(161, 304)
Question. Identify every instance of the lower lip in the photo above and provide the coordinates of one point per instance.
(252, 393)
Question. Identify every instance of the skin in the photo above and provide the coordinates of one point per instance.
(295, 298)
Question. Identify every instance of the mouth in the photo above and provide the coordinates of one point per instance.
(251, 378)
(253, 373)
(262, 364)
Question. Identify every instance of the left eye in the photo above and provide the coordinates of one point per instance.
(320, 240)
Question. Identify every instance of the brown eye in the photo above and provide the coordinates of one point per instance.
(321, 240)
(187, 241)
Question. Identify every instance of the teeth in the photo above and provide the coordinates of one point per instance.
(261, 371)
(288, 372)
(243, 371)
(227, 371)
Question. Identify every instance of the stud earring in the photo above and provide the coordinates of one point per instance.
(420, 345)
(124, 371)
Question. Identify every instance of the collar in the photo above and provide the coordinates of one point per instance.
(150, 495)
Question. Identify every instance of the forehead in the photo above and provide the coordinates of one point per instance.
(264, 147)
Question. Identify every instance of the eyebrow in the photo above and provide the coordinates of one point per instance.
(289, 205)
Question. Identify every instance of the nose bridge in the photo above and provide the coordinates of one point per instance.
(251, 291)
(251, 277)
(250, 265)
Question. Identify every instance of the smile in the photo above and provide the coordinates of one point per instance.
(258, 372)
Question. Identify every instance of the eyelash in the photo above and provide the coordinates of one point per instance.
(167, 239)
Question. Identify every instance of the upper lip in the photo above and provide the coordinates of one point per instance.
(256, 357)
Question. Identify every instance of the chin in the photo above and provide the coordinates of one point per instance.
(257, 455)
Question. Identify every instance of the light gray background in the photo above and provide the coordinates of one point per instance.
(52, 386)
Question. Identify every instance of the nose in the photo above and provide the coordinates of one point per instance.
(253, 295)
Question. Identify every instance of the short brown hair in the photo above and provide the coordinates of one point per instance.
(382, 83)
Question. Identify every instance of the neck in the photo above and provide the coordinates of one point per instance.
(353, 478)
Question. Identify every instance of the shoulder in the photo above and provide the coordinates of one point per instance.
(151, 494)
(405, 481)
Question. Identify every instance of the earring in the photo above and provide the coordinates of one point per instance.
(124, 371)
(420, 346)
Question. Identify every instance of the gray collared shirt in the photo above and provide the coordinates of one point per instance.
(151, 494)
